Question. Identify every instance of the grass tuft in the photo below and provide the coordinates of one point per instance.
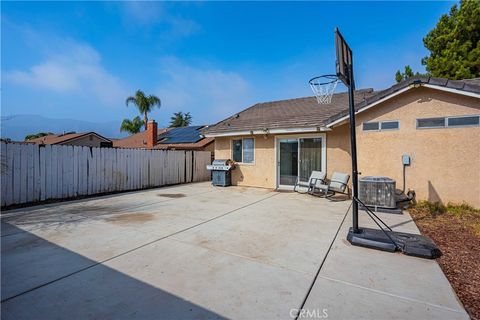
(464, 213)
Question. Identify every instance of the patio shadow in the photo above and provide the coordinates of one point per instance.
(42, 280)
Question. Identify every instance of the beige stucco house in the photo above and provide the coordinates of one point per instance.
(433, 121)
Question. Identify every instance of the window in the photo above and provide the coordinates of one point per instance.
(237, 150)
(378, 126)
(431, 123)
(370, 126)
(463, 121)
(243, 150)
(248, 150)
(389, 125)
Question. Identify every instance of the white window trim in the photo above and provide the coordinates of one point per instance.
(463, 125)
(446, 125)
(243, 163)
(380, 126)
(276, 165)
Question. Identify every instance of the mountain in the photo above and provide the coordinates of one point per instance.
(16, 127)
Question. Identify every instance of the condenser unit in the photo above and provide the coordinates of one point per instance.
(377, 192)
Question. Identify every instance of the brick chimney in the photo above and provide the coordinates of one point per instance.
(151, 134)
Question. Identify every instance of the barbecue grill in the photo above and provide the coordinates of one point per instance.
(221, 172)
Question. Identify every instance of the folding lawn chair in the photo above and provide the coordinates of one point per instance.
(316, 177)
(337, 184)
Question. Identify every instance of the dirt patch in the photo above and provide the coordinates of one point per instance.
(130, 218)
(455, 229)
(171, 195)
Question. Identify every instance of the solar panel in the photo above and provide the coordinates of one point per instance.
(181, 135)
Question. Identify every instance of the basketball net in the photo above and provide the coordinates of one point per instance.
(323, 87)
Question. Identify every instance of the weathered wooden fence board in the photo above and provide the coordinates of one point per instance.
(31, 173)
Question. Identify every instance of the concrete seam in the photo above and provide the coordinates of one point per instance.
(323, 261)
(391, 294)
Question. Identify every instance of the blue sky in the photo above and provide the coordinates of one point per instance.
(80, 60)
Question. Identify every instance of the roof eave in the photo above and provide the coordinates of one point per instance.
(266, 131)
(343, 119)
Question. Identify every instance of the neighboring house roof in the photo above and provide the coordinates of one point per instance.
(304, 114)
(182, 138)
(186, 146)
(62, 138)
(137, 140)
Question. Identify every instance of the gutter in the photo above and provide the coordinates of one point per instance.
(266, 131)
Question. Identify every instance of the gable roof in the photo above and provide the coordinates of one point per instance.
(301, 113)
(469, 87)
(304, 114)
(62, 138)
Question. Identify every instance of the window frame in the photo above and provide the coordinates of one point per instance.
(432, 127)
(380, 126)
(463, 125)
(243, 157)
(446, 122)
(371, 122)
(390, 129)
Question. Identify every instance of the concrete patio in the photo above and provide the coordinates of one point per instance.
(197, 252)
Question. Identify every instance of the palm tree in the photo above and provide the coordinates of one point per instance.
(132, 126)
(180, 120)
(144, 104)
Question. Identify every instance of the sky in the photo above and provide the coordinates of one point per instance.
(80, 60)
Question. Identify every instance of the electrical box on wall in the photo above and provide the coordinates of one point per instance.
(406, 160)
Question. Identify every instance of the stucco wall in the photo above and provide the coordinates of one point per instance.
(259, 174)
(445, 162)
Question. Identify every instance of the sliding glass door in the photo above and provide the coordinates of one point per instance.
(288, 161)
(297, 158)
(310, 157)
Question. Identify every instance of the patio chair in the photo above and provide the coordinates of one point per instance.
(337, 184)
(316, 177)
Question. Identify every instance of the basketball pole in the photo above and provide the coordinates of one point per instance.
(353, 146)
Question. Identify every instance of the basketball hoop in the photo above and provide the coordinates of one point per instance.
(323, 87)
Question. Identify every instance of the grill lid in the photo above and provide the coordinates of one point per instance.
(221, 165)
(221, 162)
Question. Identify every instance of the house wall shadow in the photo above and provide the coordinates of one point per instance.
(433, 195)
(41, 280)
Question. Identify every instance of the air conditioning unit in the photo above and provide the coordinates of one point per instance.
(377, 192)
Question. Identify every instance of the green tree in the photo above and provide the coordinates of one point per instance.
(145, 104)
(407, 73)
(37, 135)
(132, 126)
(454, 43)
(179, 119)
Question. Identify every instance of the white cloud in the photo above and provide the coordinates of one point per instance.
(74, 68)
(146, 13)
(208, 93)
(143, 12)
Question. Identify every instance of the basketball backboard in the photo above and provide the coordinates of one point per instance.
(344, 58)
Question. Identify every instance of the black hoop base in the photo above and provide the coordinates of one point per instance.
(410, 244)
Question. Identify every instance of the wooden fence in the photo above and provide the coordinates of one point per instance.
(31, 173)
